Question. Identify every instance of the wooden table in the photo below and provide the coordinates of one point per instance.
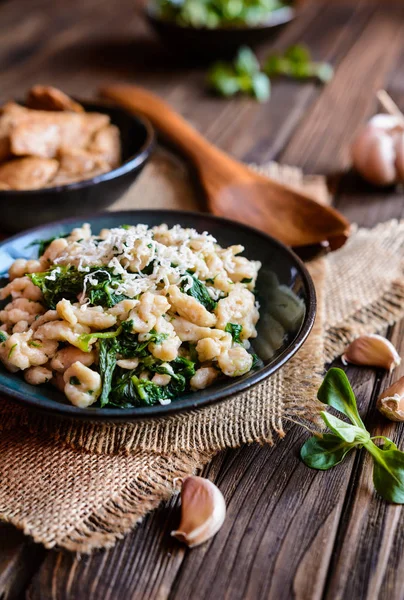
(290, 532)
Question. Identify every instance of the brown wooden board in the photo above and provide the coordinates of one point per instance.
(290, 532)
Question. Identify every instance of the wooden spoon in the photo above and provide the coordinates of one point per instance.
(233, 190)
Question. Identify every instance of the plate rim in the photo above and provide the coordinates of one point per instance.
(175, 407)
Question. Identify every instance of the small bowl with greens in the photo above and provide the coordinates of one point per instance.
(217, 28)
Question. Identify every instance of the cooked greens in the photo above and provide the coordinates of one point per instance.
(235, 331)
(127, 388)
(98, 284)
(216, 13)
(198, 291)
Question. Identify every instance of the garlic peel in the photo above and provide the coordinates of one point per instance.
(372, 351)
(391, 402)
(203, 510)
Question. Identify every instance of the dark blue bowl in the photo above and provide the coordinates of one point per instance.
(285, 292)
(30, 208)
(207, 44)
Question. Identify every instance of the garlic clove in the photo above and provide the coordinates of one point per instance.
(203, 511)
(373, 351)
(386, 122)
(399, 149)
(391, 402)
(373, 154)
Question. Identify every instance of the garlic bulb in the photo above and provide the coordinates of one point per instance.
(378, 150)
(203, 511)
(372, 351)
(391, 402)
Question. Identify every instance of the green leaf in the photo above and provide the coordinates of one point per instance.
(336, 391)
(246, 62)
(388, 472)
(348, 433)
(107, 363)
(199, 291)
(235, 330)
(324, 452)
(298, 54)
(261, 87)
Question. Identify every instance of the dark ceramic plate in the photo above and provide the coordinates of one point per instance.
(221, 42)
(284, 289)
(29, 208)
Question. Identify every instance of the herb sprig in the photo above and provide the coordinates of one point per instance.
(244, 74)
(327, 450)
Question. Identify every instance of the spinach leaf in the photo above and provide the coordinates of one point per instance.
(199, 291)
(3, 336)
(107, 364)
(325, 452)
(336, 391)
(235, 331)
(68, 282)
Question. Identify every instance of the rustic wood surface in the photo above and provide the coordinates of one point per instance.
(290, 532)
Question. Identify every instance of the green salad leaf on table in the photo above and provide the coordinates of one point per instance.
(324, 451)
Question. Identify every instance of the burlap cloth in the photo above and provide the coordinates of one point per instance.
(82, 486)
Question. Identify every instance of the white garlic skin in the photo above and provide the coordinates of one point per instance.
(378, 150)
(203, 510)
(391, 402)
(372, 351)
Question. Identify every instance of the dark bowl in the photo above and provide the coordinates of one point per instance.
(285, 292)
(221, 42)
(30, 208)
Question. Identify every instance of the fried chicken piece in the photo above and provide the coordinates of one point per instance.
(46, 97)
(41, 133)
(77, 165)
(27, 173)
(107, 144)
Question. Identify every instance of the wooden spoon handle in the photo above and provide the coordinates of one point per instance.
(165, 119)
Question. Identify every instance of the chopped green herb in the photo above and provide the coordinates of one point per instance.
(74, 380)
(246, 280)
(3, 336)
(34, 344)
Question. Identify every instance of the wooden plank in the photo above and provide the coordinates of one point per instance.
(19, 559)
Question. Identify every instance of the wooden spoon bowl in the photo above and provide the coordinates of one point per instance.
(232, 189)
